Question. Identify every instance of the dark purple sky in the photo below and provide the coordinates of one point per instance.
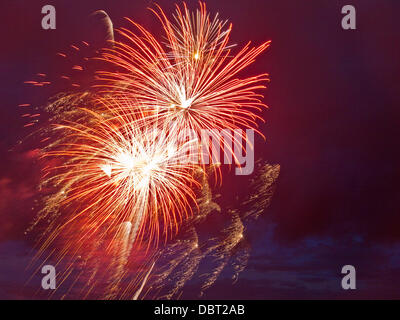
(332, 125)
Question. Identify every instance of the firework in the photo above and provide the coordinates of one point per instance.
(118, 174)
(191, 80)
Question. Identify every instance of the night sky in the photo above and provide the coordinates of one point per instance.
(332, 125)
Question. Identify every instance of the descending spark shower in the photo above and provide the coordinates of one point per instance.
(121, 212)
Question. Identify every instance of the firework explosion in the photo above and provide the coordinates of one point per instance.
(190, 80)
(116, 179)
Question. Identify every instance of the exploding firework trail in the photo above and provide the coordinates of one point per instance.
(115, 173)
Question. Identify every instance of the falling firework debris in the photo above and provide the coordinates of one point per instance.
(121, 213)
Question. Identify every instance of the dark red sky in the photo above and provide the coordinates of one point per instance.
(332, 125)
